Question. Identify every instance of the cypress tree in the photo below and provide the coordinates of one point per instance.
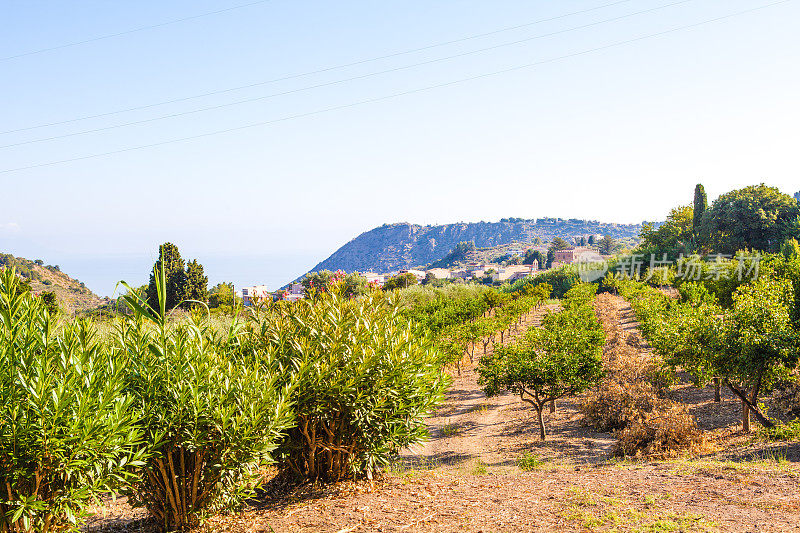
(174, 273)
(700, 206)
(196, 282)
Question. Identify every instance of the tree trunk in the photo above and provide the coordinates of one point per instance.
(717, 396)
(763, 420)
(542, 433)
(539, 406)
(553, 406)
(745, 417)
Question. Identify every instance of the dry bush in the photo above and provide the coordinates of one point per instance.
(666, 431)
(632, 398)
(786, 397)
(635, 383)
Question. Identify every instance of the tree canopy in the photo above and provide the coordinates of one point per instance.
(561, 358)
(673, 237)
(700, 206)
(559, 244)
(606, 245)
(183, 281)
(757, 217)
(353, 284)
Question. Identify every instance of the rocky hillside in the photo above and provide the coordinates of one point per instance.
(72, 295)
(403, 245)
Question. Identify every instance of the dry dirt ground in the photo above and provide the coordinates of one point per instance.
(484, 470)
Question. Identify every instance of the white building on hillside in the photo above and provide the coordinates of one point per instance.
(419, 274)
(257, 293)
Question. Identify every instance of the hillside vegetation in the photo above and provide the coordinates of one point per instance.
(72, 295)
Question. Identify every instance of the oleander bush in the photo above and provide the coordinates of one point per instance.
(68, 430)
(366, 375)
(211, 413)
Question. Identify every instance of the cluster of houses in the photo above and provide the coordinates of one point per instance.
(509, 273)
(470, 271)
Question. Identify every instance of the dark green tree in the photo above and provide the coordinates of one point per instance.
(175, 275)
(353, 284)
(551, 257)
(50, 301)
(700, 206)
(590, 240)
(606, 245)
(559, 244)
(797, 196)
(673, 237)
(221, 294)
(196, 282)
(535, 255)
(755, 217)
(401, 281)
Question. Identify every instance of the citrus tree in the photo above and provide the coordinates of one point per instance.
(561, 358)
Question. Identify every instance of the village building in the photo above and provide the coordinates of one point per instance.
(564, 256)
(419, 274)
(250, 295)
(439, 273)
(375, 278)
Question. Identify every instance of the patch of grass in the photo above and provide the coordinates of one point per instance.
(449, 430)
(480, 408)
(768, 462)
(412, 468)
(581, 497)
(528, 461)
(596, 512)
(672, 522)
(479, 469)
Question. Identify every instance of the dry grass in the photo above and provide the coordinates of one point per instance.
(632, 397)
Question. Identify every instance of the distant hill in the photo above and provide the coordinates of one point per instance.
(72, 295)
(403, 245)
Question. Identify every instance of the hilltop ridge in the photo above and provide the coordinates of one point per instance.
(405, 245)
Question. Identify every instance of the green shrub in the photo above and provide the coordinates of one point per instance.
(212, 415)
(528, 461)
(561, 280)
(366, 377)
(787, 431)
(67, 431)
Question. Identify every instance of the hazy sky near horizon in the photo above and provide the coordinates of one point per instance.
(617, 133)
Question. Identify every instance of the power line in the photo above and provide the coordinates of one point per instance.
(340, 81)
(400, 94)
(320, 71)
(134, 30)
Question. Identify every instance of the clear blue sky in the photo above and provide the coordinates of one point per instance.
(621, 134)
